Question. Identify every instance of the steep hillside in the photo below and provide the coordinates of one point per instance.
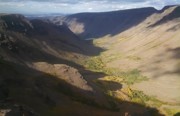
(39, 50)
(29, 38)
(96, 25)
(150, 48)
(141, 50)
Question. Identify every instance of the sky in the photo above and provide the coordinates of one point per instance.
(76, 6)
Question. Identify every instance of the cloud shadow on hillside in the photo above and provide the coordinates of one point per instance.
(46, 92)
(174, 28)
(176, 55)
(159, 71)
(174, 15)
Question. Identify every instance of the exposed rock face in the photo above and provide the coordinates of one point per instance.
(65, 72)
(15, 22)
(16, 110)
(7, 42)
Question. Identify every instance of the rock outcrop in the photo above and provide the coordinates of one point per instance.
(65, 72)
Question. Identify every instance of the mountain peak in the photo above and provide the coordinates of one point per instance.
(16, 22)
(169, 6)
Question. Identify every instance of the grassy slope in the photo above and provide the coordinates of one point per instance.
(153, 51)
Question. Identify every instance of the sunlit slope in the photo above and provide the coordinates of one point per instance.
(153, 47)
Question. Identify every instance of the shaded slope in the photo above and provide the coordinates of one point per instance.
(172, 16)
(96, 25)
(15, 22)
(48, 95)
(30, 40)
(44, 47)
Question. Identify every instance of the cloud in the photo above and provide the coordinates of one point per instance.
(74, 6)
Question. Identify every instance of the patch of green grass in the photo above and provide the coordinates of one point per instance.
(141, 98)
(172, 112)
(155, 102)
(113, 57)
(95, 64)
(129, 77)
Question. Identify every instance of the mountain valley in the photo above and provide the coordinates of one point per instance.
(119, 63)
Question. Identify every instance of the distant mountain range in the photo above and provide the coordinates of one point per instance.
(45, 15)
